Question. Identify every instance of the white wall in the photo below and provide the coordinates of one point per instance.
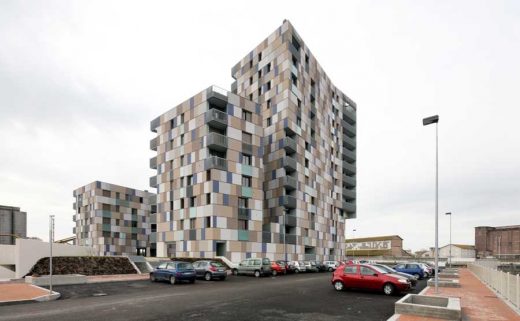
(7, 254)
(28, 252)
(456, 252)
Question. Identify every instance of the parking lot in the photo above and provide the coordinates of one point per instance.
(291, 297)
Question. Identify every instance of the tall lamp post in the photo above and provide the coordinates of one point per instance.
(449, 259)
(428, 121)
(284, 230)
(51, 240)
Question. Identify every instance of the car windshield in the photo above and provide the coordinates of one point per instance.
(216, 264)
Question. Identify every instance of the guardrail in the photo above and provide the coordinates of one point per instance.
(506, 285)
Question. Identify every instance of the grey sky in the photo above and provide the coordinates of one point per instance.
(80, 81)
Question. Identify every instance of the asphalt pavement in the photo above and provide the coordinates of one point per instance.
(289, 297)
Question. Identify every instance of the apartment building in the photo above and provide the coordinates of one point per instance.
(310, 145)
(113, 219)
(268, 169)
(13, 224)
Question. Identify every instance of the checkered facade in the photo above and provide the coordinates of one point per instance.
(114, 220)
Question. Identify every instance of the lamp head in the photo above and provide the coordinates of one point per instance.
(430, 120)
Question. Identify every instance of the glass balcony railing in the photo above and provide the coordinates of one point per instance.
(290, 182)
(288, 201)
(289, 145)
(349, 168)
(215, 162)
(217, 142)
(289, 164)
(216, 118)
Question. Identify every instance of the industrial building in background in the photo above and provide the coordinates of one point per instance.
(390, 245)
(13, 224)
(268, 169)
(113, 219)
(499, 242)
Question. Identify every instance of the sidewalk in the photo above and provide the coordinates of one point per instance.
(478, 302)
(20, 292)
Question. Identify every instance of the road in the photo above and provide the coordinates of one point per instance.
(290, 297)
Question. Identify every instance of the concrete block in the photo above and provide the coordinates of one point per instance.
(446, 283)
(446, 275)
(64, 279)
(446, 308)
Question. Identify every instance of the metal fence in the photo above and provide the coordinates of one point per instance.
(505, 284)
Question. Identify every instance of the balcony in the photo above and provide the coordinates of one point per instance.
(289, 145)
(266, 237)
(153, 162)
(153, 181)
(349, 142)
(216, 118)
(349, 194)
(290, 220)
(244, 213)
(288, 201)
(247, 148)
(153, 143)
(217, 96)
(215, 162)
(349, 181)
(289, 164)
(243, 235)
(348, 129)
(350, 169)
(217, 142)
(349, 207)
(154, 124)
(290, 238)
(349, 116)
(349, 155)
(290, 183)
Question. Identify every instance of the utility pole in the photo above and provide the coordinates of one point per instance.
(51, 240)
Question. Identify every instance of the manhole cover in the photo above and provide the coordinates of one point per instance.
(99, 294)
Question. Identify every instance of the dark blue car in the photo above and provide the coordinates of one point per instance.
(410, 268)
(174, 272)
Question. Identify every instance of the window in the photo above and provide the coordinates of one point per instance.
(182, 118)
(134, 211)
(106, 220)
(106, 207)
(182, 181)
(349, 269)
(140, 200)
(307, 146)
(259, 56)
(294, 61)
(247, 115)
(182, 202)
(246, 159)
(208, 198)
(259, 90)
(246, 181)
(250, 96)
(313, 200)
(259, 73)
(162, 266)
(299, 121)
(208, 175)
(307, 59)
(306, 163)
(268, 103)
(294, 80)
(182, 139)
(154, 228)
(247, 138)
(106, 193)
(117, 208)
(250, 80)
(182, 225)
(400, 266)
(243, 202)
(192, 223)
(208, 221)
(190, 180)
(366, 270)
(243, 224)
(251, 64)
(269, 121)
(182, 160)
(118, 195)
(268, 85)
(172, 123)
(192, 201)
(268, 69)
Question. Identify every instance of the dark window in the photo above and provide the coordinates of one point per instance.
(106, 193)
(259, 90)
(182, 202)
(268, 69)
(246, 159)
(208, 175)
(134, 211)
(208, 198)
(268, 103)
(247, 138)
(259, 56)
(250, 96)
(182, 118)
(192, 223)
(251, 64)
(154, 228)
(307, 163)
(294, 80)
(182, 139)
(208, 221)
(250, 80)
(243, 225)
(192, 201)
(182, 225)
(106, 220)
(247, 115)
(246, 181)
(269, 121)
(190, 180)
(268, 85)
(134, 224)
(259, 73)
(243, 202)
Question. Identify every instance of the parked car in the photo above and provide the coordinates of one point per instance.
(299, 266)
(173, 272)
(210, 270)
(410, 268)
(310, 266)
(413, 279)
(427, 269)
(362, 276)
(277, 268)
(289, 268)
(331, 265)
(321, 267)
(256, 267)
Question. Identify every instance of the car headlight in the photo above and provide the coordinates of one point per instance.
(402, 281)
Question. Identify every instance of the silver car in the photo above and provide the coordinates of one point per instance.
(331, 265)
(256, 267)
(299, 266)
(210, 270)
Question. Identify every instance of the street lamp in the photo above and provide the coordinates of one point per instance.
(51, 240)
(284, 230)
(428, 121)
(449, 259)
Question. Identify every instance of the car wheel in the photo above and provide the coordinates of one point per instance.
(235, 272)
(389, 288)
(297, 271)
(207, 276)
(330, 269)
(417, 276)
(338, 285)
(152, 278)
(275, 272)
(172, 280)
(257, 274)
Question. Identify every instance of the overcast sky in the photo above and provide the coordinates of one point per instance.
(81, 80)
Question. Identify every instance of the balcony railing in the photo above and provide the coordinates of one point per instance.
(349, 155)
(291, 238)
(349, 181)
(349, 207)
(215, 162)
(289, 164)
(289, 201)
(217, 142)
(247, 148)
(153, 143)
(289, 145)
(349, 142)
(349, 116)
(348, 129)
(349, 194)
(290, 220)
(349, 168)
(153, 181)
(216, 118)
(289, 182)
(244, 213)
(153, 162)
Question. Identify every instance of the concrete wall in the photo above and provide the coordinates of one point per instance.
(7, 254)
(28, 252)
(456, 252)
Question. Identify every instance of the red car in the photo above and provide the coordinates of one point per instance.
(277, 268)
(362, 276)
